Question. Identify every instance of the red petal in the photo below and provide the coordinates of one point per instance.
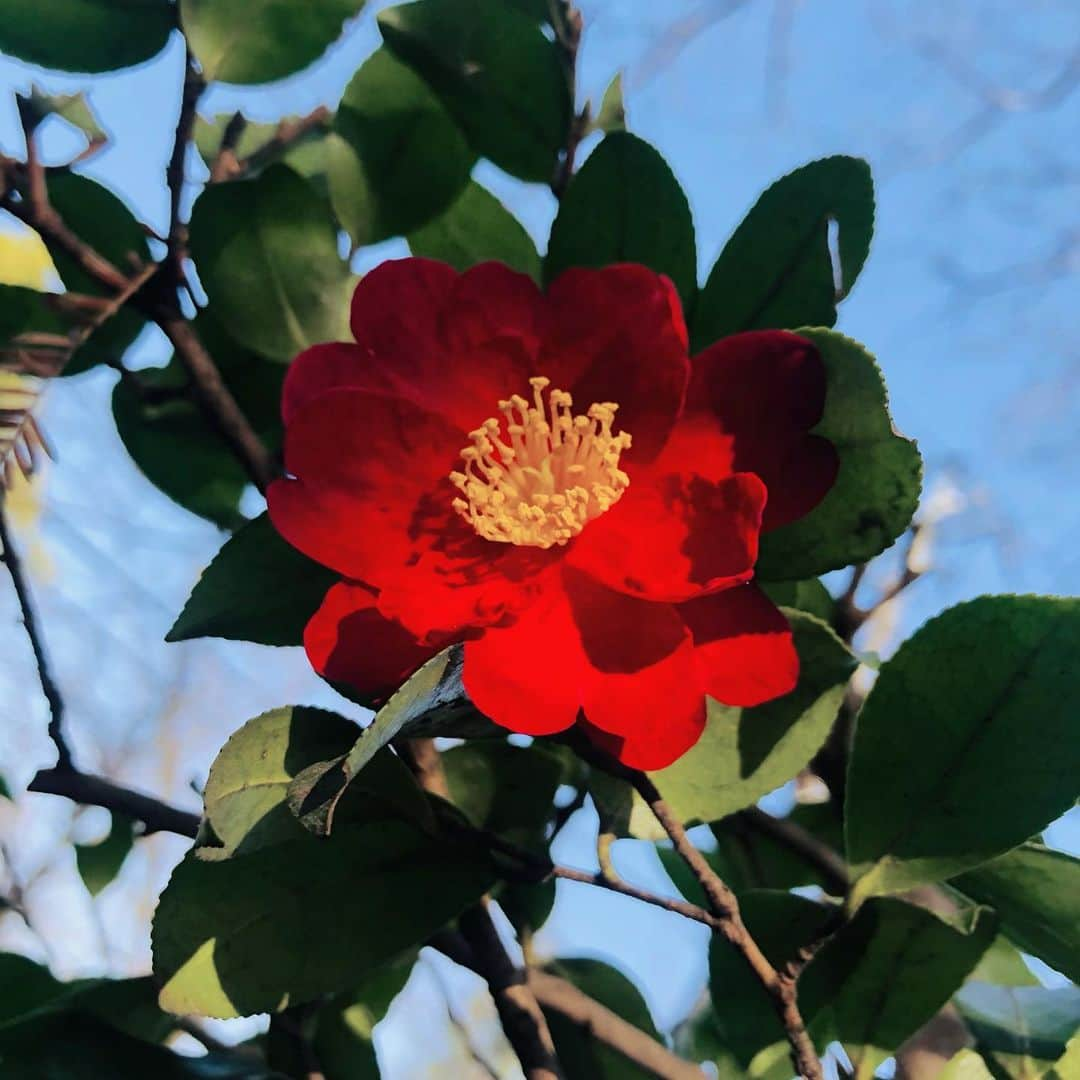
(527, 677)
(743, 645)
(360, 463)
(618, 334)
(396, 307)
(349, 641)
(491, 301)
(334, 366)
(674, 536)
(766, 389)
(641, 693)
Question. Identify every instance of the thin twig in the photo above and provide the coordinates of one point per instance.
(194, 85)
(567, 23)
(822, 857)
(53, 698)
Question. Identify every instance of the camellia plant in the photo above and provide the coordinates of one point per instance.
(575, 497)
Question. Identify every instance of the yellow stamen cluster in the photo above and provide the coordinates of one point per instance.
(558, 472)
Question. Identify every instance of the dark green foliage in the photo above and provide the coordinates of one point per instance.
(625, 205)
(776, 271)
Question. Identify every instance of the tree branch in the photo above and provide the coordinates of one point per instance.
(520, 1015)
(194, 85)
(568, 24)
(49, 688)
(797, 839)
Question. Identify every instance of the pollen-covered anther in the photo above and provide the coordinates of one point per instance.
(540, 475)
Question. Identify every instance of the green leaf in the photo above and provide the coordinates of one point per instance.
(99, 863)
(477, 228)
(781, 923)
(344, 1026)
(882, 976)
(261, 40)
(527, 906)
(582, 1056)
(99, 218)
(611, 116)
(78, 1046)
(431, 702)
(746, 753)
(294, 921)
(776, 270)
(1068, 1066)
(175, 448)
(1002, 964)
(85, 35)
(966, 745)
(246, 792)
(496, 72)
(1029, 1020)
(698, 1038)
(266, 251)
(504, 788)
(877, 489)
(625, 205)
(808, 595)
(966, 1065)
(1036, 893)
(73, 108)
(397, 158)
(257, 588)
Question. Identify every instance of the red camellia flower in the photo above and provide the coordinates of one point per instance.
(551, 480)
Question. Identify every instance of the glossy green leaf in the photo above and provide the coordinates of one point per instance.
(83, 1047)
(699, 1039)
(267, 255)
(582, 1056)
(398, 159)
(99, 863)
(527, 906)
(168, 438)
(882, 976)
(776, 271)
(496, 72)
(746, 753)
(781, 923)
(877, 488)
(966, 745)
(504, 788)
(1029, 1020)
(294, 921)
(1036, 893)
(257, 588)
(808, 595)
(247, 790)
(431, 702)
(85, 35)
(477, 228)
(102, 220)
(625, 205)
(261, 40)
(344, 1027)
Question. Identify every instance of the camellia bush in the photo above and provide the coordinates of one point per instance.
(578, 496)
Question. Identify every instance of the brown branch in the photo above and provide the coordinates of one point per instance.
(568, 24)
(520, 1015)
(557, 995)
(608, 1027)
(89, 790)
(194, 85)
(226, 164)
(51, 691)
(781, 986)
(214, 397)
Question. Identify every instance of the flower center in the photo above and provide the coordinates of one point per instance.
(558, 472)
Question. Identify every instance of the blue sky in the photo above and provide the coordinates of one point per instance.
(968, 117)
